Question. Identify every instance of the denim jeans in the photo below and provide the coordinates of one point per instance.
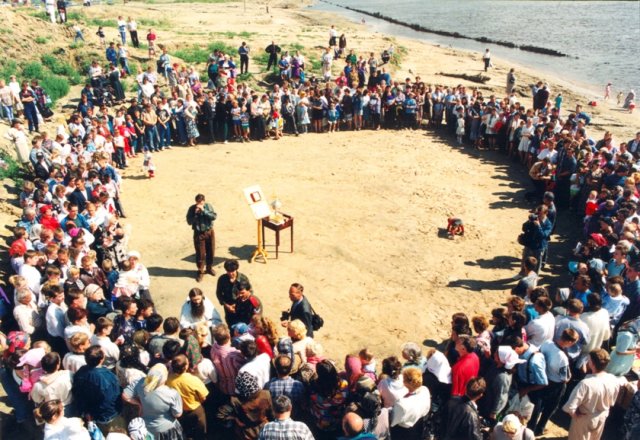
(31, 114)
(150, 138)
(7, 112)
(165, 135)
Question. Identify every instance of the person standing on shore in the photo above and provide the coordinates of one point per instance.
(273, 50)
(243, 51)
(200, 217)
(511, 81)
(607, 91)
(487, 59)
(133, 32)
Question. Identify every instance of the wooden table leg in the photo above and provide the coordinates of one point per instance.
(292, 236)
(277, 242)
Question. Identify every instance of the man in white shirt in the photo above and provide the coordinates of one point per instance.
(541, 329)
(258, 365)
(590, 400)
(30, 273)
(55, 318)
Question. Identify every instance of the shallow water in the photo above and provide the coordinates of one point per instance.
(601, 37)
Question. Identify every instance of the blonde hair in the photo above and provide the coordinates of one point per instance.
(297, 330)
(412, 377)
(314, 349)
(78, 340)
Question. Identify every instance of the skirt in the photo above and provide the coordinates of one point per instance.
(192, 128)
(174, 433)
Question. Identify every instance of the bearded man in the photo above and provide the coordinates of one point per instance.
(198, 309)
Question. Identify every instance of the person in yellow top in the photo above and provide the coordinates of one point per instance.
(193, 393)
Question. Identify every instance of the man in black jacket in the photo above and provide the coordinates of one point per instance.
(463, 422)
(300, 309)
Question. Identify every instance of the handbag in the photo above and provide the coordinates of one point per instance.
(316, 320)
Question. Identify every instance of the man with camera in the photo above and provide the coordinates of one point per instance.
(535, 237)
(300, 309)
(201, 217)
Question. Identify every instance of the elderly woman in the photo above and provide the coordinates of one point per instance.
(409, 412)
(161, 406)
(26, 312)
(413, 356)
(511, 429)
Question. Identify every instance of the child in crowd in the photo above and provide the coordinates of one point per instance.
(460, 128)
(73, 360)
(332, 116)
(100, 35)
(368, 363)
(614, 302)
(104, 326)
(244, 123)
(148, 165)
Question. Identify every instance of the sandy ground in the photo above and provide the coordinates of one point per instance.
(369, 207)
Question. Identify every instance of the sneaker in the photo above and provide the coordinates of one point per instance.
(210, 271)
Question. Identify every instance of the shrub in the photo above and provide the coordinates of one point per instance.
(224, 47)
(261, 58)
(56, 86)
(41, 40)
(10, 169)
(33, 70)
(245, 77)
(8, 68)
(193, 54)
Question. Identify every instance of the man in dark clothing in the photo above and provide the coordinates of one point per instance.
(537, 231)
(463, 422)
(201, 217)
(243, 51)
(207, 108)
(567, 165)
(222, 117)
(273, 50)
(541, 98)
(96, 391)
(300, 308)
(79, 196)
(247, 305)
(227, 289)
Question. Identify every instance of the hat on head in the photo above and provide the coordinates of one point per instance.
(44, 208)
(240, 327)
(246, 384)
(598, 239)
(597, 265)
(509, 357)
(133, 254)
(32, 357)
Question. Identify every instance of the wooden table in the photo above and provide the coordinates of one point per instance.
(277, 227)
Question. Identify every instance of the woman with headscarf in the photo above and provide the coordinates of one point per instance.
(161, 406)
(251, 409)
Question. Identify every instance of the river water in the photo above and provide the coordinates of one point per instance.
(601, 37)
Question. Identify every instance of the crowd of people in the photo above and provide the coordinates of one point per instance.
(84, 340)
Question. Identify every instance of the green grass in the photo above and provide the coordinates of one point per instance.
(243, 34)
(56, 86)
(162, 23)
(11, 169)
(77, 45)
(196, 54)
(261, 58)
(104, 22)
(8, 68)
(41, 40)
(60, 67)
(193, 54)
(245, 77)
(33, 70)
(224, 47)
